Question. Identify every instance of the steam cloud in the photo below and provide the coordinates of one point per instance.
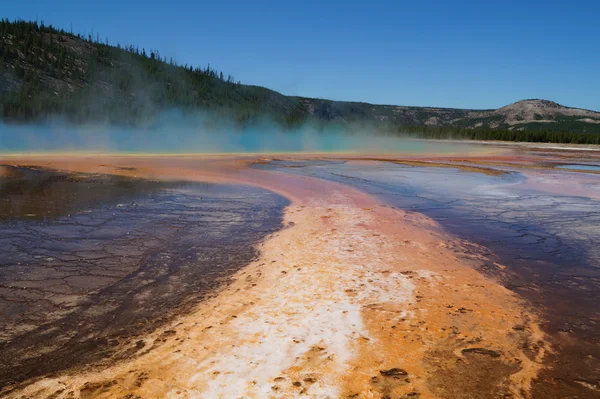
(178, 132)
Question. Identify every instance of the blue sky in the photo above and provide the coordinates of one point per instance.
(461, 53)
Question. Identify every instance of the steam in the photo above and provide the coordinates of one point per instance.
(185, 131)
(176, 131)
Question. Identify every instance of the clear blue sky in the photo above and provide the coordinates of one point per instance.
(461, 53)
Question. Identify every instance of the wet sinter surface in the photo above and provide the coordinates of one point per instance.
(91, 261)
(353, 299)
(548, 241)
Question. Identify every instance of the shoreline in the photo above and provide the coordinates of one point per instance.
(501, 146)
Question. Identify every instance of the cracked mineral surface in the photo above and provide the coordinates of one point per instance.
(90, 261)
(434, 277)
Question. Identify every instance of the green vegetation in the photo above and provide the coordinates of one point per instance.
(46, 72)
(532, 136)
(49, 73)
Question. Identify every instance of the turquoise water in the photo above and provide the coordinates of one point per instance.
(198, 136)
(580, 167)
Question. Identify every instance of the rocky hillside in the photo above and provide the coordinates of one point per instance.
(528, 114)
(523, 115)
(46, 72)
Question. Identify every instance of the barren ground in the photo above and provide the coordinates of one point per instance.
(350, 299)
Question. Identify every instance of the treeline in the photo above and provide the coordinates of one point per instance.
(37, 44)
(532, 136)
(46, 72)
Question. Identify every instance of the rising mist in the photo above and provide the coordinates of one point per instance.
(176, 131)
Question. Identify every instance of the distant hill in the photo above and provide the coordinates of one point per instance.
(46, 72)
(533, 114)
(522, 115)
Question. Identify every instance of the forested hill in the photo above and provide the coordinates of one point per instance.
(47, 72)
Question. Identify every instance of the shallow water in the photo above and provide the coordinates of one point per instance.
(579, 167)
(548, 241)
(91, 261)
(41, 194)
